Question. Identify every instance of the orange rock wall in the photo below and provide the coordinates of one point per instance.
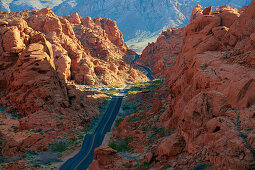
(39, 54)
(210, 105)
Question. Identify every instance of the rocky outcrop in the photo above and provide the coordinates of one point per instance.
(103, 41)
(161, 55)
(105, 157)
(171, 146)
(209, 109)
(40, 61)
(196, 12)
(78, 46)
(139, 21)
(74, 18)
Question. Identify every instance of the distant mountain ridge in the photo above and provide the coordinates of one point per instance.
(134, 17)
(141, 21)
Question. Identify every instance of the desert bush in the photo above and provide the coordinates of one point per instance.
(143, 166)
(59, 146)
(121, 146)
(117, 123)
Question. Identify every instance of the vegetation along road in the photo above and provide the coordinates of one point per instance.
(91, 141)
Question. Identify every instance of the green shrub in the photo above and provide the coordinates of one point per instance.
(110, 92)
(15, 129)
(52, 108)
(31, 152)
(121, 146)
(154, 84)
(59, 146)
(117, 123)
(147, 84)
(1, 140)
(3, 108)
(126, 107)
(144, 166)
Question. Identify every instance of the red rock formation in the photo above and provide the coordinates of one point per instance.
(211, 98)
(107, 158)
(171, 146)
(196, 12)
(39, 55)
(74, 18)
(102, 39)
(207, 11)
(161, 55)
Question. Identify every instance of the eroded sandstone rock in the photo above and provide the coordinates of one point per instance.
(210, 96)
(106, 158)
(39, 54)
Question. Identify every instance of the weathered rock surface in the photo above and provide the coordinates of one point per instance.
(161, 55)
(171, 146)
(106, 158)
(40, 57)
(196, 12)
(210, 104)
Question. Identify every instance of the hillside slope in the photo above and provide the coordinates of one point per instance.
(202, 117)
(42, 58)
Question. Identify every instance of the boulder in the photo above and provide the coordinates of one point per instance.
(171, 146)
(106, 157)
(12, 41)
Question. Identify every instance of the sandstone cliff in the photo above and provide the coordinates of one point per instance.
(203, 114)
(159, 56)
(140, 21)
(41, 54)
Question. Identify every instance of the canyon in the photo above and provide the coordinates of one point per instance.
(198, 114)
(43, 60)
(202, 116)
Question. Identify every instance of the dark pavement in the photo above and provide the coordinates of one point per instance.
(91, 141)
(83, 159)
(149, 72)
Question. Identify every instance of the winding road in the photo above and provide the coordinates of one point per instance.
(83, 159)
(149, 72)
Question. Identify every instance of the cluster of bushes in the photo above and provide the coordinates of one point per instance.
(121, 146)
(129, 107)
(148, 85)
(59, 146)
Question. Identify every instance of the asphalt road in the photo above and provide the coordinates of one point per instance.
(91, 141)
(83, 159)
(149, 72)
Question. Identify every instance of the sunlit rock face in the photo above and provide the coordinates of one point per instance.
(203, 114)
(132, 16)
(139, 21)
(41, 54)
